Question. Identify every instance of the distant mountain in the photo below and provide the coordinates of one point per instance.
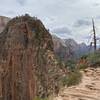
(67, 49)
(59, 47)
(3, 22)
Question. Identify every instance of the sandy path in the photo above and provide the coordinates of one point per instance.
(88, 89)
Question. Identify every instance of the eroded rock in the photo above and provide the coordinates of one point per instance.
(29, 65)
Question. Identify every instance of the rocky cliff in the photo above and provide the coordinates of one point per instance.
(28, 67)
(59, 47)
(3, 22)
(67, 49)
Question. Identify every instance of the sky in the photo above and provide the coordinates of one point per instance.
(64, 18)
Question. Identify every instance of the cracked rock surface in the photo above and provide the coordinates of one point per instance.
(28, 67)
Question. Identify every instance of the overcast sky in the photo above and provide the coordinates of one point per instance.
(65, 18)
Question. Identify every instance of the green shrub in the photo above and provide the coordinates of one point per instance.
(84, 57)
(94, 59)
(70, 65)
(82, 66)
(73, 78)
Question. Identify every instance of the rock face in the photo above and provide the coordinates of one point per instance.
(68, 48)
(59, 47)
(3, 22)
(27, 61)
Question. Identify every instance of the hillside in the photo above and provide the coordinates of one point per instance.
(30, 70)
(67, 49)
(28, 67)
(88, 89)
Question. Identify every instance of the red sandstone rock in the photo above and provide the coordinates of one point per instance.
(27, 59)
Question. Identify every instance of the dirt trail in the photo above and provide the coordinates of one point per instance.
(88, 89)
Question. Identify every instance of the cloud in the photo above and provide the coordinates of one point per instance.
(62, 30)
(63, 36)
(21, 2)
(98, 17)
(96, 4)
(56, 13)
(82, 23)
